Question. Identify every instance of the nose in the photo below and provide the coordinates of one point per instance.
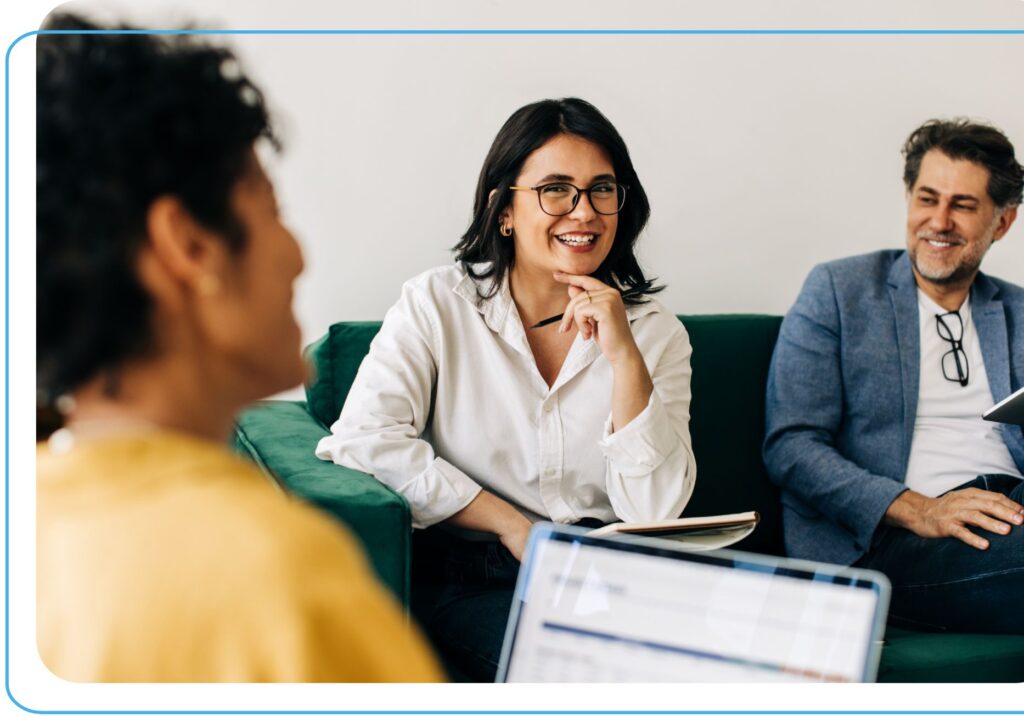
(299, 261)
(941, 218)
(583, 212)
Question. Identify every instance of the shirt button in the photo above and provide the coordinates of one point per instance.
(548, 408)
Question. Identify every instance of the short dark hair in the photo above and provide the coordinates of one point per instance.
(982, 144)
(123, 119)
(528, 129)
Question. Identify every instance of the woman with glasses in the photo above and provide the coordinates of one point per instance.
(486, 415)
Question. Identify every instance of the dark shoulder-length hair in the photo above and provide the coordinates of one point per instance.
(486, 255)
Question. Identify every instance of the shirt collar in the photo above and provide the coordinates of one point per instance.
(497, 310)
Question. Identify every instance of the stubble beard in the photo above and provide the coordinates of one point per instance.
(966, 266)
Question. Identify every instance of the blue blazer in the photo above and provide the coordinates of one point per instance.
(842, 395)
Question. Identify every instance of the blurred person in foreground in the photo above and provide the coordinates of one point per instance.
(164, 306)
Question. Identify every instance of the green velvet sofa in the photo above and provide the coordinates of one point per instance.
(730, 366)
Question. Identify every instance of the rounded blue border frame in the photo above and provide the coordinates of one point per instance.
(7, 412)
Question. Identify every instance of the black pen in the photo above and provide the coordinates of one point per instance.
(625, 294)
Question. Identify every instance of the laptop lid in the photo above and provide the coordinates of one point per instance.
(589, 609)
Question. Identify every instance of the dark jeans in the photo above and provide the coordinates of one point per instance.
(947, 585)
(461, 596)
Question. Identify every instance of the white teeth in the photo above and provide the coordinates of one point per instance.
(576, 239)
(940, 244)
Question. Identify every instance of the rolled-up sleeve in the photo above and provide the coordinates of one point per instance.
(386, 411)
(651, 470)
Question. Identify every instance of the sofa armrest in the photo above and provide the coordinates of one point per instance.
(280, 436)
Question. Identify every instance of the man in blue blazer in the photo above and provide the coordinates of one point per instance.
(882, 371)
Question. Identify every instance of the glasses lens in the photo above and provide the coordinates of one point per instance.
(954, 366)
(950, 326)
(557, 199)
(607, 197)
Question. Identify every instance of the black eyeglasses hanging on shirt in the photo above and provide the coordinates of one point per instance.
(954, 361)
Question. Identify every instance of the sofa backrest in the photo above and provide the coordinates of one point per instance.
(730, 368)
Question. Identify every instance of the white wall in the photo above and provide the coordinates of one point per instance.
(762, 155)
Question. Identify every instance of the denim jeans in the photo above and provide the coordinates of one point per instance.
(947, 585)
(461, 596)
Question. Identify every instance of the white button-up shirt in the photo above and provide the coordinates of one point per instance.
(449, 401)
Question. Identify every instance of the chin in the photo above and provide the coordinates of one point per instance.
(580, 265)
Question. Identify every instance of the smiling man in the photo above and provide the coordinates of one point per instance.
(882, 371)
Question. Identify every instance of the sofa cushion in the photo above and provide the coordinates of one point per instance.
(911, 656)
(335, 360)
(731, 354)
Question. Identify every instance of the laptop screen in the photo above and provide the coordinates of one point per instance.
(619, 610)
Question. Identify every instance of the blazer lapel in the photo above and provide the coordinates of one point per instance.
(990, 322)
(903, 295)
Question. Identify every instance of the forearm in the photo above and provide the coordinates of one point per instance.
(805, 463)
(489, 513)
(631, 389)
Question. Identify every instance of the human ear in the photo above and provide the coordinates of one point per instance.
(1006, 219)
(180, 255)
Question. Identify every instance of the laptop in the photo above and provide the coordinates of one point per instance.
(629, 609)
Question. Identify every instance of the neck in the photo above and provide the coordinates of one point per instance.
(165, 392)
(537, 294)
(950, 296)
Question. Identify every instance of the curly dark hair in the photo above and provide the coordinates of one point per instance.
(975, 142)
(123, 119)
(528, 129)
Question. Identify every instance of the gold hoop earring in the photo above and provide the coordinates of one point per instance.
(505, 230)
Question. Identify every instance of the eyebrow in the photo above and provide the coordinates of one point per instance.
(955, 197)
(566, 177)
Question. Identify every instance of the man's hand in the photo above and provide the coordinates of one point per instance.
(950, 514)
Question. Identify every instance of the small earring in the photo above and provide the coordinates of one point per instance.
(208, 285)
(505, 230)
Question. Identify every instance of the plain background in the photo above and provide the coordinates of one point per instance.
(762, 155)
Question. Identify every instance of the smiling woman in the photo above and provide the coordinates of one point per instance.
(485, 426)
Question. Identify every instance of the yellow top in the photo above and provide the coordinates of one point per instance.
(162, 557)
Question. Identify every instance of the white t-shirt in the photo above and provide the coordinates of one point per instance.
(952, 444)
(449, 400)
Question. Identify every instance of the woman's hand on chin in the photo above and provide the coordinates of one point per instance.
(598, 312)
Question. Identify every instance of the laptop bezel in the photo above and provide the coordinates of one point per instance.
(728, 558)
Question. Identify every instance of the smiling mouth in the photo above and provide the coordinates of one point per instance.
(577, 238)
(938, 240)
(942, 244)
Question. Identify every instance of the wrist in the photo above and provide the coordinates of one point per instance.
(907, 509)
(629, 360)
(508, 520)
